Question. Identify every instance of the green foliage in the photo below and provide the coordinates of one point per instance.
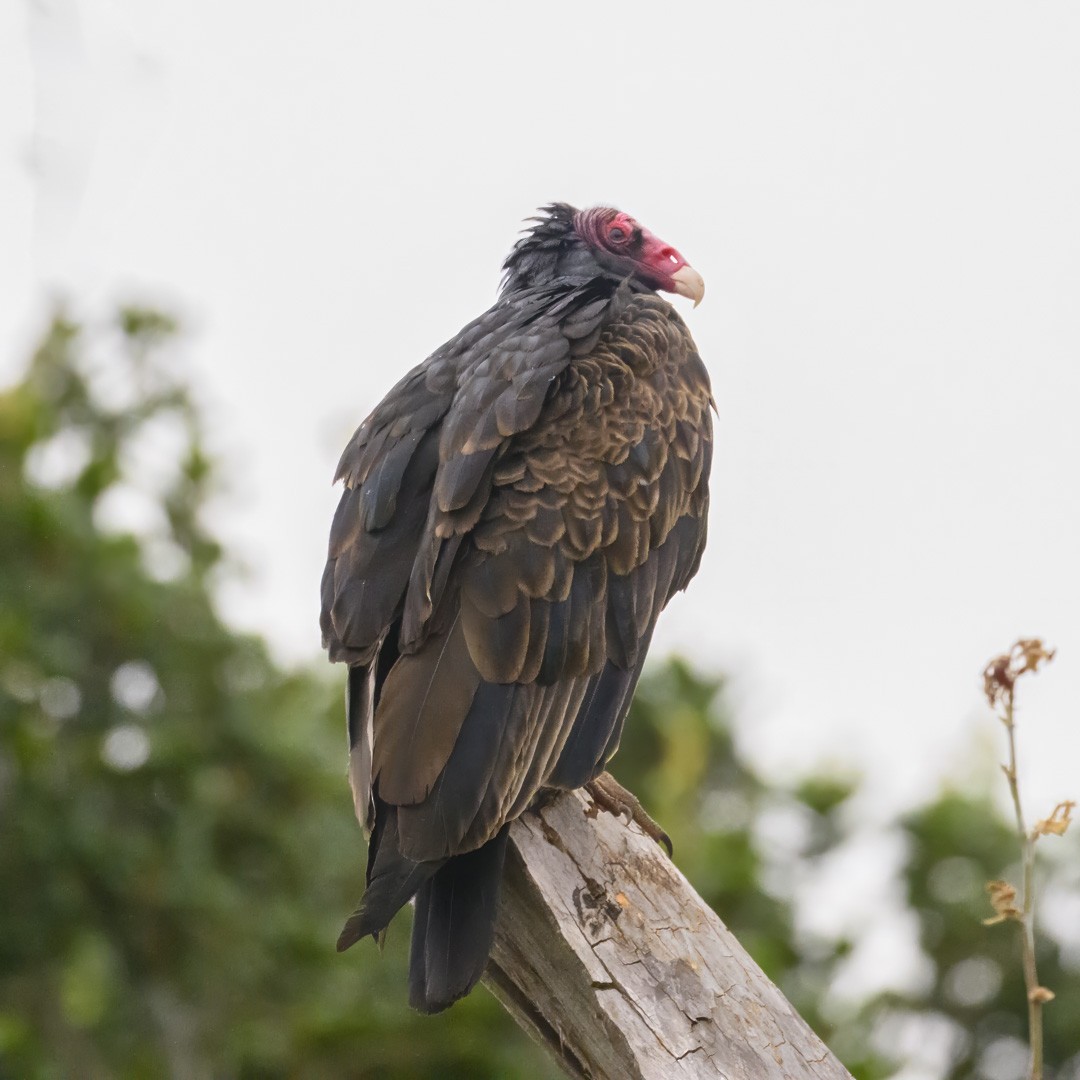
(178, 848)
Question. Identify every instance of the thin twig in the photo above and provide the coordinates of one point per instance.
(1026, 918)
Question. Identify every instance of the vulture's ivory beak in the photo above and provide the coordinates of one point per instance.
(689, 283)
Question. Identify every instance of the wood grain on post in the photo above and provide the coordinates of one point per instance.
(608, 957)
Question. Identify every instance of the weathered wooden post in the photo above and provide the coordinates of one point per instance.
(606, 955)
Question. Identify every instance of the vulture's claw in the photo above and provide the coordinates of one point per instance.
(608, 794)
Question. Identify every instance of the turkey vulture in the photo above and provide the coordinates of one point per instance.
(516, 513)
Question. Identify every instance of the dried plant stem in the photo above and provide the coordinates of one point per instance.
(999, 684)
(1026, 918)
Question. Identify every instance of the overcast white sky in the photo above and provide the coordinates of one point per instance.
(883, 199)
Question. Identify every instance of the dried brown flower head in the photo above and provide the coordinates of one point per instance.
(1000, 675)
(1058, 821)
(1003, 901)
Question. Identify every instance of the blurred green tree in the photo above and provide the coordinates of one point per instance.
(178, 847)
(178, 843)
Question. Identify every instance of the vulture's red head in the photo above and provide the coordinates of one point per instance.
(570, 245)
(622, 245)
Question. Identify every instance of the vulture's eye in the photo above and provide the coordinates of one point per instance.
(616, 235)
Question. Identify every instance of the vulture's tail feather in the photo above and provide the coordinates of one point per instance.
(393, 880)
(454, 926)
(383, 899)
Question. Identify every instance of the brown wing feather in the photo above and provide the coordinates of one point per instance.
(525, 541)
(424, 700)
(545, 610)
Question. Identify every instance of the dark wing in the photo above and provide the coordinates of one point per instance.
(566, 505)
(595, 518)
(414, 476)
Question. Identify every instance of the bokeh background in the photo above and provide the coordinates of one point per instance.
(226, 230)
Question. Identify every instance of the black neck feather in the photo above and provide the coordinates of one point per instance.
(550, 252)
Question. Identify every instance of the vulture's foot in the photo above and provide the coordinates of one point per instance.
(608, 794)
